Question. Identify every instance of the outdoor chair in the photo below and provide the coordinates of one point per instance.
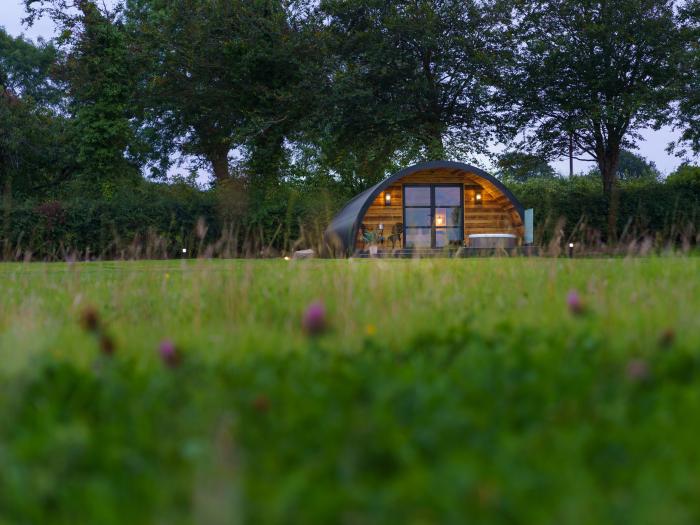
(396, 232)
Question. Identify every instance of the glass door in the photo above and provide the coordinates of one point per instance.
(433, 215)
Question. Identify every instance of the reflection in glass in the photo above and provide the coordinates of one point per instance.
(447, 236)
(440, 216)
(418, 237)
(448, 216)
(417, 196)
(417, 217)
(448, 196)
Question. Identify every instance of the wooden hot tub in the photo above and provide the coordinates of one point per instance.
(492, 240)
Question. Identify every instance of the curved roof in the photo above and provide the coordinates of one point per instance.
(344, 225)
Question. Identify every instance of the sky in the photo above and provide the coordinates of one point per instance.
(651, 147)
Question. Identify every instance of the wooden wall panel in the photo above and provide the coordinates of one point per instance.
(495, 214)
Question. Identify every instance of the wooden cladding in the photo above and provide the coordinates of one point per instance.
(494, 213)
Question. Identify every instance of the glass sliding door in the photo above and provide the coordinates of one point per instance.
(433, 215)
(418, 216)
(449, 216)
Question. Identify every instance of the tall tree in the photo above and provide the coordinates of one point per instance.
(99, 74)
(592, 71)
(34, 156)
(688, 116)
(409, 75)
(220, 75)
(634, 167)
(518, 166)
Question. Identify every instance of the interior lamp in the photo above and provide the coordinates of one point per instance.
(477, 197)
(387, 198)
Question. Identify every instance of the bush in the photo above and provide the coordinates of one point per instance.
(667, 210)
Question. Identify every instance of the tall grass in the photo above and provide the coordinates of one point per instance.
(440, 389)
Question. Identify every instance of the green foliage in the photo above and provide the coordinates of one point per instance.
(34, 147)
(434, 395)
(102, 82)
(158, 220)
(685, 175)
(517, 166)
(407, 77)
(689, 92)
(648, 207)
(632, 166)
(218, 76)
(589, 75)
(25, 67)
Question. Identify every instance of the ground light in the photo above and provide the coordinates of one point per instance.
(571, 249)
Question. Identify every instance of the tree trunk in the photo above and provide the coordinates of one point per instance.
(219, 162)
(608, 169)
(266, 159)
(434, 147)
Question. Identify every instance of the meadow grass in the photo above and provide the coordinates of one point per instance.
(442, 390)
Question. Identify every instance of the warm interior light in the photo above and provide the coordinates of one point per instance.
(387, 199)
(478, 196)
(440, 219)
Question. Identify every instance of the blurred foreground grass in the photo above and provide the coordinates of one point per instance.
(443, 391)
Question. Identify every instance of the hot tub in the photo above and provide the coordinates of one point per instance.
(492, 240)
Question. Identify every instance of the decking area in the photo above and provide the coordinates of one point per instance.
(460, 252)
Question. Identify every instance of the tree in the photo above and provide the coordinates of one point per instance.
(408, 76)
(591, 71)
(34, 155)
(688, 116)
(219, 76)
(634, 167)
(98, 70)
(518, 166)
(685, 174)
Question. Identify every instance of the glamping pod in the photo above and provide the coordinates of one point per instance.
(431, 206)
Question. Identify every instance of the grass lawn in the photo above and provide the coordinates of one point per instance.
(442, 391)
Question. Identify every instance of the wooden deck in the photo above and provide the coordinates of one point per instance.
(461, 252)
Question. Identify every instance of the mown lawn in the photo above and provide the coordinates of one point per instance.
(442, 391)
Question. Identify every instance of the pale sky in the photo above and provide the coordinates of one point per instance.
(652, 147)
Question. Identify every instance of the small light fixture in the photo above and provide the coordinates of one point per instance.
(571, 250)
(571, 245)
(387, 198)
(286, 257)
(477, 197)
(184, 250)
